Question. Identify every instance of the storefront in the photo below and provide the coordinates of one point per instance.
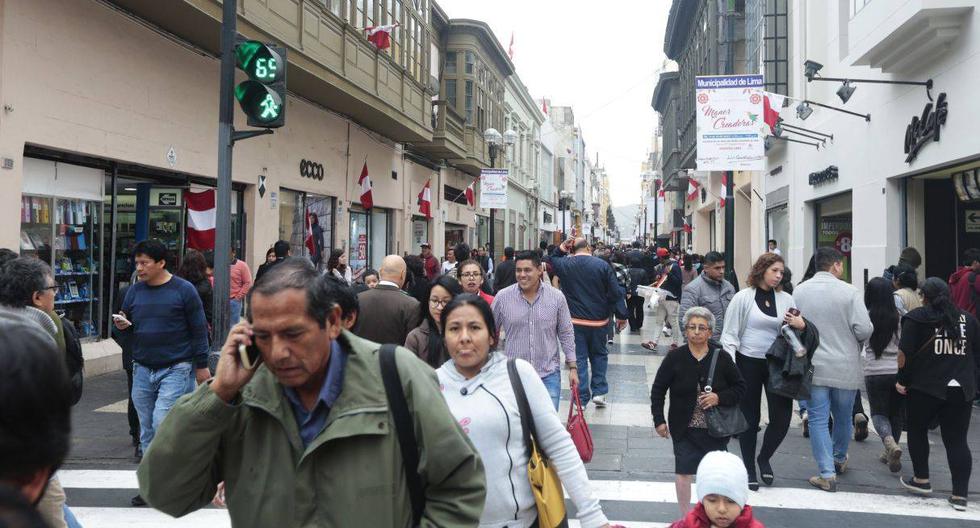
(420, 234)
(455, 234)
(306, 220)
(834, 221)
(370, 238)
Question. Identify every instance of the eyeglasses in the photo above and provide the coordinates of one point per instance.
(52, 287)
(438, 302)
(471, 275)
(697, 329)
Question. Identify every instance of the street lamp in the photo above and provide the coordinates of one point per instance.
(496, 142)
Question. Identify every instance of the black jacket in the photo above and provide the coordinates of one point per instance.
(934, 356)
(683, 375)
(789, 375)
(73, 358)
(504, 275)
(638, 276)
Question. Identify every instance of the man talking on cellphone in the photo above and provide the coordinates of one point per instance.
(307, 438)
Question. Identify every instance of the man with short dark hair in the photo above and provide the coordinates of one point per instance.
(665, 316)
(449, 265)
(535, 319)
(505, 276)
(307, 438)
(35, 411)
(429, 262)
(771, 247)
(837, 310)
(709, 290)
(593, 296)
(165, 316)
(282, 251)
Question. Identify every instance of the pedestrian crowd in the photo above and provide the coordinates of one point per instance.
(433, 387)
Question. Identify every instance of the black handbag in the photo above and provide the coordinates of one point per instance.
(723, 421)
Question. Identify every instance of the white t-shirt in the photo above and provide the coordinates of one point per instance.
(760, 331)
(448, 266)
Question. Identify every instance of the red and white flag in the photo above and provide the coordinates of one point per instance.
(471, 195)
(692, 188)
(201, 219)
(771, 105)
(380, 36)
(687, 227)
(367, 198)
(544, 106)
(425, 200)
(721, 202)
(310, 244)
(510, 49)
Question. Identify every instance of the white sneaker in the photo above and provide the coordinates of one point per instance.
(666, 331)
(609, 341)
(600, 401)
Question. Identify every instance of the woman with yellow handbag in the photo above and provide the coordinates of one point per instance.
(505, 409)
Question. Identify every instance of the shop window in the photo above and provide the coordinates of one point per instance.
(450, 62)
(454, 195)
(307, 237)
(834, 227)
(370, 234)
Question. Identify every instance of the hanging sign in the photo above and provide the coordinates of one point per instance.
(731, 130)
(493, 188)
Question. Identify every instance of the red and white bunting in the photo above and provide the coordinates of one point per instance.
(201, 219)
(692, 188)
(771, 105)
(425, 200)
(471, 195)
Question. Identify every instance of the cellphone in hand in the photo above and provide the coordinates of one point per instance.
(119, 317)
(249, 356)
(794, 312)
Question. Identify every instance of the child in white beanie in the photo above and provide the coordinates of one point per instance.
(723, 489)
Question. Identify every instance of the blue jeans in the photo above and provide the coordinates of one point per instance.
(70, 519)
(590, 348)
(824, 402)
(234, 312)
(155, 391)
(552, 382)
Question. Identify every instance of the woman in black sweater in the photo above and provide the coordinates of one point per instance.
(939, 352)
(684, 373)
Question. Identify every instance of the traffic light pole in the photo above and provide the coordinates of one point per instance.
(226, 145)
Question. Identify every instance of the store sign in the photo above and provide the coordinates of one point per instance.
(311, 169)
(972, 220)
(493, 188)
(731, 130)
(827, 175)
(168, 199)
(843, 243)
(925, 128)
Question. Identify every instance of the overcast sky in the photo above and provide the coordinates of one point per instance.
(601, 58)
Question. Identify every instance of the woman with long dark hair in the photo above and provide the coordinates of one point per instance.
(938, 358)
(194, 269)
(906, 281)
(881, 369)
(477, 385)
(426, 340)
(416, 283)
(753, 322)
(337, 265)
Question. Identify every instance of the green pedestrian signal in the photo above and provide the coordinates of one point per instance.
(263, 96)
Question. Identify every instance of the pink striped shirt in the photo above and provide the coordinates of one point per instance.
(533, 330)
(241, 279)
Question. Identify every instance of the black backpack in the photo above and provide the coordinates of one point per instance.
(73, 358)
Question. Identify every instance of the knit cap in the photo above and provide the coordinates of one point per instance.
(722, 473)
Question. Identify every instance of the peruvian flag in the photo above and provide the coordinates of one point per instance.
(721, 202)
(380, 36)
(309, 234)
(692, 188)
(771, 105)
(425, 200)
(687, 227)
(544, 106)
(510, 49)
(661, 194)
(471, 195)
(201, 218)
(367, 199)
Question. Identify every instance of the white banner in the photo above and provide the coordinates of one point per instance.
(731, 129)
(493, 189)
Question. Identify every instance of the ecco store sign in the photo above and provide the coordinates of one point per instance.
(923, 129)
(311, 169)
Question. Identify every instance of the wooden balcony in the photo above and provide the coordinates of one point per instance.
(330, 62)
(448, 136)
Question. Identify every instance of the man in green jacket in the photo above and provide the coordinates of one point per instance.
(307, 438)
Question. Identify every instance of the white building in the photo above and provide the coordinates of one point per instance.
(524, 117)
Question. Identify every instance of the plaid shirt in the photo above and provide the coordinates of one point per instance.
(622, 275)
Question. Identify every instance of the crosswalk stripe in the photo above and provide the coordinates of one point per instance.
(656, 492)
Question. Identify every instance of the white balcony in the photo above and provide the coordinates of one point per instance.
(902, 36)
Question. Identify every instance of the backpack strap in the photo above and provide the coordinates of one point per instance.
(527, 419)
(404, 429)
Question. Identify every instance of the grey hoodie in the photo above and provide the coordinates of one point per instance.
(838, 311)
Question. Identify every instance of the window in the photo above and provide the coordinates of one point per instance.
(452, 194)
(857, 6)
(767, 42)
(470, 61)
(451, 62)
(451, 93)
(469, 102)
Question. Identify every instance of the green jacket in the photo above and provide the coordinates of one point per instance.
(350, 475)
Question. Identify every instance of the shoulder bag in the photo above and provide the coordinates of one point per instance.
(579, 429)
(723, 420)
(545, 484)
(404, 429)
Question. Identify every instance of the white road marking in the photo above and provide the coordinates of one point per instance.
(149, 518)
(120, 406)
(657, 492)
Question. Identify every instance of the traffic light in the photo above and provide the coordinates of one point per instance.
(263, 96)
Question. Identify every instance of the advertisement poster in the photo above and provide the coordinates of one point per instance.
(731, 129)
(493, 188)
(362, 247)
(835, 231)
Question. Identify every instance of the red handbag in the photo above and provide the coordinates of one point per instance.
(578, 429)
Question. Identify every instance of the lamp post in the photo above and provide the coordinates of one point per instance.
(496, 142)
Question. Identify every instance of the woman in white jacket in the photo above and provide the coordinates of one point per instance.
(752, 322)
(477, 388)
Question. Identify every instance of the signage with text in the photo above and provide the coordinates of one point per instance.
(493, 188)
(731, 130)
(926, 128)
